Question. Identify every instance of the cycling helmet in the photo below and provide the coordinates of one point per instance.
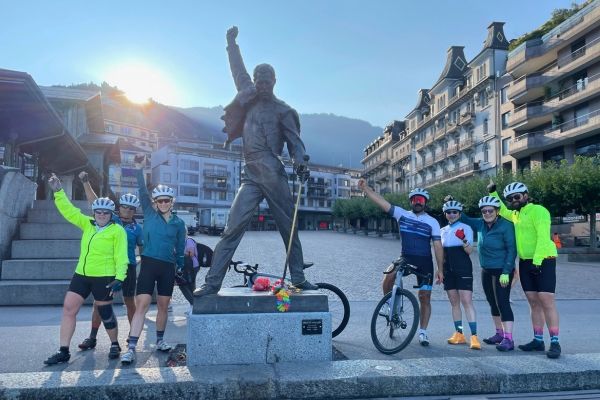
(103, 203)
(452, 205)
(489, 201)
(162, 190)
(515, 187)
(418, 192)
(129, 199)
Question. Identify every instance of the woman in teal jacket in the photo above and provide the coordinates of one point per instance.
(497, 252)
(164, 243)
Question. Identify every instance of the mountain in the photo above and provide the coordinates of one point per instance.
(329, 139)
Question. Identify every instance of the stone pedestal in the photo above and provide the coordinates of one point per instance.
(239, 326)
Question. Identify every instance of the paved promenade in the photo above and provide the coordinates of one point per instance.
(354, 263)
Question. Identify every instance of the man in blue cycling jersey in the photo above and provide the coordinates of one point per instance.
(417, 230)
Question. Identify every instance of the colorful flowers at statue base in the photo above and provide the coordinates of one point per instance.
(282, 294)
(261, 284)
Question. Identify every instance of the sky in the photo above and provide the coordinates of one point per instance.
(359, 59)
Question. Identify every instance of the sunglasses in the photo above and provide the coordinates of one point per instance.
(163, 201)
(128, 208)
(421, 200)
(102, 212)
(451, 212)
(488, 211)
(516, 197)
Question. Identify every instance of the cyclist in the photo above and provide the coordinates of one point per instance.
(537, 263)
(497, 253)
(417, 230)
(128, 203)
(458, 272)
(164, 242)
(101, 268)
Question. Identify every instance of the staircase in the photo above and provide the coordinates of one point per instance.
(43, 258)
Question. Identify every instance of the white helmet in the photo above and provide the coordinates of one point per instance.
(452, 205)
(129, 199)
(515, 187)
(418, 192)
(162, 190)
(103, 203)
(489, 201)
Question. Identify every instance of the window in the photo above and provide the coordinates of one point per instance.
(166, 177)
(222, 196)
(505, 120)
(486, 128)
(188, 191)
(190, 165)
(125, 130)
(504, 95)
(505, 146)
(486, 153)
(110, 128)
(189, 178)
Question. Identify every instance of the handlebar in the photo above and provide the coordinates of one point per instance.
(242, 267)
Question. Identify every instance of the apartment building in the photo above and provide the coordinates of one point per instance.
(452, 132)
(551, 94)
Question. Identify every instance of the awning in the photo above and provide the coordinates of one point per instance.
(28, 120)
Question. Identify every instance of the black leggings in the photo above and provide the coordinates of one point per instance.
(498, 297)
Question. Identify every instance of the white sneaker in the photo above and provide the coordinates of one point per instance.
(384, 311)
(163, 346)
(423, 339)
(170, 308)
(128, 357)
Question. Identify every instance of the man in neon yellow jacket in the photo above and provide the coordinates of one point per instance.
(537, 263)
(101, 268)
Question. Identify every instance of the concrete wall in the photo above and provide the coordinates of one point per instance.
(16, 197)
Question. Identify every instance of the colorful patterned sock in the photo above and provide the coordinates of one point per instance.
(538, 333)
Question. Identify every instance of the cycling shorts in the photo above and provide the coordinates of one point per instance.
(458, 279)
(129, 282)
(424, 266)
(96, 285)
(156, 272)
(533, 280)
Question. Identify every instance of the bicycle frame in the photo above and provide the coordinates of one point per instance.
(398, 283)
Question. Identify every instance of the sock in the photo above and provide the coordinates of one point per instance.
(500, 332)
(473, 328)
(508, 336)
(538, 333)
(423, 331)
(64, 349)
(132, 342)
(553, 335)
(114, 343)
(94, 332)
(159, 336)
(458, 326)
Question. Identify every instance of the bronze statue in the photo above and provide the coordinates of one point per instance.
(265, 123)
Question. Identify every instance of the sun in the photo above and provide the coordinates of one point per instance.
(141, 82)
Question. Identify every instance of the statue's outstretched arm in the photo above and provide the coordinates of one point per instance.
(236, 63)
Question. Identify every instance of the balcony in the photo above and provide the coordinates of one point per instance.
(382, 176)
(451, 127)
(568, 132)
(317, 184)
(464, 144)
(441, 155)
(452, 149)
(467, 118)
(460, 172)
(527, 88)
(428, 140)
(530, 114)
(534, 54)
(419, 145)
(211, 173)
(216, 187)
(318, 194)
(584, 55)
(428, 162)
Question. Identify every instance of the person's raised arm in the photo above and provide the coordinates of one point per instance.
(375, 197)
(145, 200)
(90, 195)
(504, 211)
(236, 63)
(64, 205)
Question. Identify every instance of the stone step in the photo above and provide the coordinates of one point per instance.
(36, 230)
(36, 292)
(49, 204)
(45, 249)
(38, 269)
(49, 216)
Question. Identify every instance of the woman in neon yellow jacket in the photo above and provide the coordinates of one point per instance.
(101, 268)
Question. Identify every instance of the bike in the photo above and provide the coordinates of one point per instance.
(396, 316)
(339, 307)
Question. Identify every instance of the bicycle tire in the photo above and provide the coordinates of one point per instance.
(396, 323)
(338, 324)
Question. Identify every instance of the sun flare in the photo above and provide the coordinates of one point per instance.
(142, 82)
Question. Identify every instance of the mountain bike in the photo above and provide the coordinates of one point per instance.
(339, 307)
(396, 316)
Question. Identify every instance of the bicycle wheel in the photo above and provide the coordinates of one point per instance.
(393, 331)
(339, 307)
